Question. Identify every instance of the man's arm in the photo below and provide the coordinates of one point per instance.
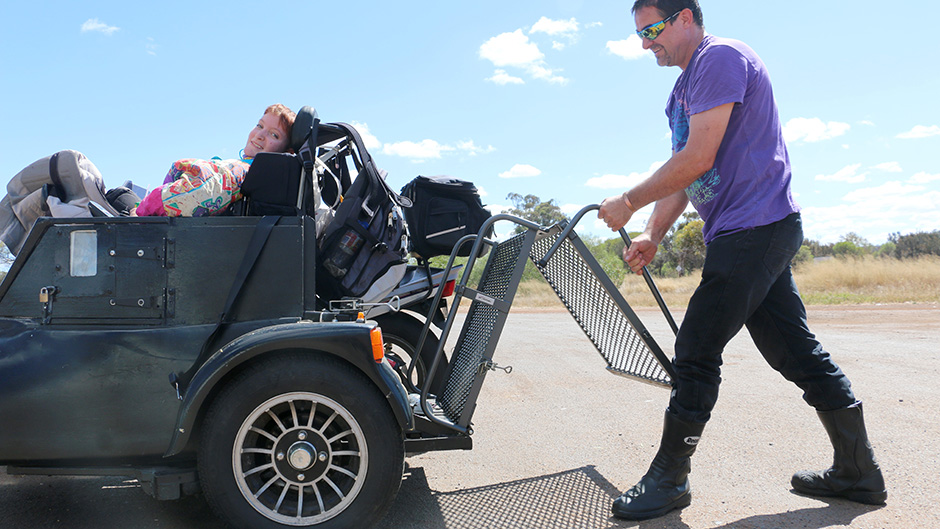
(643, 247)
(706, 131)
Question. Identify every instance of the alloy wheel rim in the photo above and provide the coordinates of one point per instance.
(300, 458)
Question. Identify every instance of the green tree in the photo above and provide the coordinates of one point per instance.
(916, 244)
(888, 249)
(531, 207)
(845, 249)
(683, 248)
(689, 243)
(609, 253)
(817, 248)
(803, 255)
(860, 242)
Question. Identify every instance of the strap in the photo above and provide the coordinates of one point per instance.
(56, 180)
(258, 239)
(367, 162)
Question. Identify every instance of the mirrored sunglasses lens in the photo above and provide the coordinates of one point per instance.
(653, 31)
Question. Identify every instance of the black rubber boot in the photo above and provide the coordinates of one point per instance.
(854, 475)
(666, 484)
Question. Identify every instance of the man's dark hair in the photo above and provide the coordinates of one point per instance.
(668, 7)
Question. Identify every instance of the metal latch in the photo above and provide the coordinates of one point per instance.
(46, 297)
(175, 382)
(487, 364)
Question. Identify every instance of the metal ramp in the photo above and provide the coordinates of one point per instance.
(580, 283)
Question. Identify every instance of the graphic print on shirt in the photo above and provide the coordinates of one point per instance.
(704, 189)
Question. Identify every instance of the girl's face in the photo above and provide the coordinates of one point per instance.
(267, 136)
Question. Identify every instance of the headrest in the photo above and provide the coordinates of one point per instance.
(304, 124)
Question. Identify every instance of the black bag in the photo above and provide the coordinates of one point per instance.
(444, 210)
(364, 250)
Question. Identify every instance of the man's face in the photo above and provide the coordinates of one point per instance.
(665, 46)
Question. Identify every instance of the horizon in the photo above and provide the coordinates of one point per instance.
(554, 99)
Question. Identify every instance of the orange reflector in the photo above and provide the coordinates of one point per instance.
(449, 288)
(378, 345)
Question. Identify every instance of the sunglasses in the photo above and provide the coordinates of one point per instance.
(653, 30)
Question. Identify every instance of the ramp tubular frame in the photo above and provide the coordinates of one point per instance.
(580, 283)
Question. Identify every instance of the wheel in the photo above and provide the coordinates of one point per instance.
(401, 333)
(300, 440)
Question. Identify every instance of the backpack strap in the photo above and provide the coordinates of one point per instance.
(56, 179)
(367, 163)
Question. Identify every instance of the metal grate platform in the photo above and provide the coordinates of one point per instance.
(601, 311)
(581, 284)
(484, 323)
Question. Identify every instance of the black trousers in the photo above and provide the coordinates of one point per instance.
(747, 281)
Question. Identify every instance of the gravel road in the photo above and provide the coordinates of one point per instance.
(558, 438)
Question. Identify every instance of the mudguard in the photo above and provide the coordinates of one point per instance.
(348, 341)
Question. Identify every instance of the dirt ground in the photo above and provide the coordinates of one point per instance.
(557, 439)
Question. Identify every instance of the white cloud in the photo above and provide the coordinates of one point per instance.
(371, 142)
(150, 46)
(571, 209)
(95, 25)
(546, 25)
(924, 178)
(502, 78)
(515, 50)
(875, 212)
(472, 149)
(847, 174)
(511, 49)
(496, 209)
(558, 45)
(889, 167)
(813, 129)
(920, 131)
(421, 150)
(630, 48)
(590, 25)
(623, 182)
(888, 191)
(521, 170)
(546, 74)
(482, 192)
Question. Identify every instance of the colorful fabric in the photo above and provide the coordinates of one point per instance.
(749, 186)
(196, 188)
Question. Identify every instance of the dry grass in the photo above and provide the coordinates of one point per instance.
(830, 282)
(870, 280)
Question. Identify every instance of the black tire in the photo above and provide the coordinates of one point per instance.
(300, 440)
(401, 333)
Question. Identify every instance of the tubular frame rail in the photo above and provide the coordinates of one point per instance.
(580, 283)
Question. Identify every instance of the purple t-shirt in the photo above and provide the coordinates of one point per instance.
(749, 185)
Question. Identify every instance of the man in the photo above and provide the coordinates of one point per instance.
(730, 160)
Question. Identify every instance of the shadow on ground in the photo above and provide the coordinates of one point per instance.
(573, 499)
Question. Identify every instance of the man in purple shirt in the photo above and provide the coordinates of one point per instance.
(729, 159)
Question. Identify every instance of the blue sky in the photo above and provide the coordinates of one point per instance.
(553, 98)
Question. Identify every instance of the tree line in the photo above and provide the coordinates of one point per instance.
(683, 249)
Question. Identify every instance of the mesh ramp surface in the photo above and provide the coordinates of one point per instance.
(601, 311)
(483, 325)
